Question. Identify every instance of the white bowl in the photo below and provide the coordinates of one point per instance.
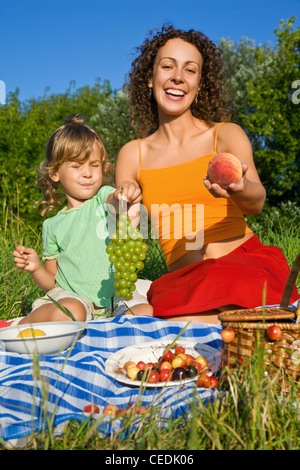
(59, 336)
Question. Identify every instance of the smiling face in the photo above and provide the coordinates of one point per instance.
(80, 180)
(176, 76)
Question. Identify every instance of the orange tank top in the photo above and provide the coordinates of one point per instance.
(184, 215)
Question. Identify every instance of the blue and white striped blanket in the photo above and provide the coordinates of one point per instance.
(59, 387)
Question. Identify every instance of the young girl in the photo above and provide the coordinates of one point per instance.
(177, 97)
(77, 273)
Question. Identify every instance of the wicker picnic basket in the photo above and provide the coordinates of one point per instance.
(250, 327)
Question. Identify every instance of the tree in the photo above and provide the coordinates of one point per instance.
(244, 61)
(25, 130)
(112, 121)
(262, 83)
(271, 118)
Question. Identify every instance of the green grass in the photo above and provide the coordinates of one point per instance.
(17, 289)
(250, 413)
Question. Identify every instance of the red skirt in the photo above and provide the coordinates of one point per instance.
(238, 278)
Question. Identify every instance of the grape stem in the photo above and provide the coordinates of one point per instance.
(112, 306)
(122, 202)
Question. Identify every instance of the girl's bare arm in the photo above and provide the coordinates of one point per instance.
(27, 259)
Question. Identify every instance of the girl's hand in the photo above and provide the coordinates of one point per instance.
(26, 259)
(217, 191)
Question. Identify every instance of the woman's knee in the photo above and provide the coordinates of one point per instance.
(141, 310)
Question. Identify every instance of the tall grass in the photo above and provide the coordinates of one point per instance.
(17, 289)
(249, 413)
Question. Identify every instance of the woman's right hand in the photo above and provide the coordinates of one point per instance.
(26, 259)
(129, 192)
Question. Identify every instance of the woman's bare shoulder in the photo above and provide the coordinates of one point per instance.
(130, 148)
(127, 167)
(231, 134)
(232, 129)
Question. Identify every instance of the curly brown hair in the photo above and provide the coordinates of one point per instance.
(211, 105)
(72, 141)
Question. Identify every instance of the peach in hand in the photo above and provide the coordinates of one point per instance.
(224, 169)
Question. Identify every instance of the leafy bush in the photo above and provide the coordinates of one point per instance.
(25, 130)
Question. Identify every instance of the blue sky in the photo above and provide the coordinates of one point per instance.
(49, 43)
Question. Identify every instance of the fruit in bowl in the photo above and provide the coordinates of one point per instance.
(31, 332)
(224, 169)
(173, 365)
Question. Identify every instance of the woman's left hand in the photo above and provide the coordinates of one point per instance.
(217, 191)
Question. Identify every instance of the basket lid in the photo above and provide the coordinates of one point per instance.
(258, 314)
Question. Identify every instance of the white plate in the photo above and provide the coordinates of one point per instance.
(59, 336)
(150, 352)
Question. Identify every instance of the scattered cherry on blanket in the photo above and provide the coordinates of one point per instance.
(110, 410)
(91, 408)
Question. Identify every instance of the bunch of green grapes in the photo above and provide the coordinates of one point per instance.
(127, 251)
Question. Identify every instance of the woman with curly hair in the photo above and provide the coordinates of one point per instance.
(215, 261)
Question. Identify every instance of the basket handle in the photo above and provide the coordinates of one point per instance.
(287, 293)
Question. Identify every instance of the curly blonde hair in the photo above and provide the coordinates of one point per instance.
(211, 104)
(72, 141)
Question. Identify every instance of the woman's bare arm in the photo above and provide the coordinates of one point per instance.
(249, 195)
(127, 174)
